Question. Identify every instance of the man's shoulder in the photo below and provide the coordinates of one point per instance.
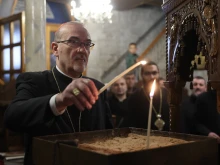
(206, 96)
(136, 95)
(39, 74)
(35, 77)
(112, 99)
(186, 100)
(187, 104)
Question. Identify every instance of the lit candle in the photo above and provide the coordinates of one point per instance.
(150, 112)
(121, 75)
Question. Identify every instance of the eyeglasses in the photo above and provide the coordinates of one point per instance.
(74, 43)
(150, 73)
(200, 84)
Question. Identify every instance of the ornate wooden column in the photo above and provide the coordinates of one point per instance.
(174, 100)
(191, 43)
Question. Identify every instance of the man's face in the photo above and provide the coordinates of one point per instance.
(130, 80)
(132, 49)
(72, 59)
(199, 86)
(119, 88)
(150, 72)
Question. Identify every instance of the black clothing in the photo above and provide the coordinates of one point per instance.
(207, 116)
(134, 89)
(138, 106)
(188, 109)
(30, 111)
(119, 109)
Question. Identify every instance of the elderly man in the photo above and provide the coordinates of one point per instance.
(61, 100)
(118, 102)
(188, 105)
(138, 103)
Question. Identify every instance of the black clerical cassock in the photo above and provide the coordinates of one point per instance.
(118, 108)
(138, 105)
(30, 111)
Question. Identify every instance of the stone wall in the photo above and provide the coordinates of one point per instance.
(6, 8)
(112, 40)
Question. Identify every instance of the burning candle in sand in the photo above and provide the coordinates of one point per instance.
(150, 112)
(121, 75)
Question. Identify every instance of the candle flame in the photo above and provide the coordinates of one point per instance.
(143, 62)
(153, 88)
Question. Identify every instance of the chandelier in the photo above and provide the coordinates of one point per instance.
(98, 11)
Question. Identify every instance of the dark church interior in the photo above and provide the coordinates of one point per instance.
(109, 82)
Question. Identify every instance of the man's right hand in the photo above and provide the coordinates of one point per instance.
(85, 99)
(214, 135)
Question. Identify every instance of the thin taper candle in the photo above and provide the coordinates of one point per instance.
(121, 75)
(150, 113)
(149, 122)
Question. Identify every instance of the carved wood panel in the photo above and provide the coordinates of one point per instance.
(200, 16)
(191, 43)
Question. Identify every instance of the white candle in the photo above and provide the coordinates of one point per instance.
(150, 112)
(121, 75)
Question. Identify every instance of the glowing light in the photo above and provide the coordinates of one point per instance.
(143, 62)
(153, 89)
(95, 11)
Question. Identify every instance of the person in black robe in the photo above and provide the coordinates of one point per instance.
(138, 103)
(118, 102)
(61, 100)
(207, 117)
(188, 106)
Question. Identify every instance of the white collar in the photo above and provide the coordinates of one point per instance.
(65, 74)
